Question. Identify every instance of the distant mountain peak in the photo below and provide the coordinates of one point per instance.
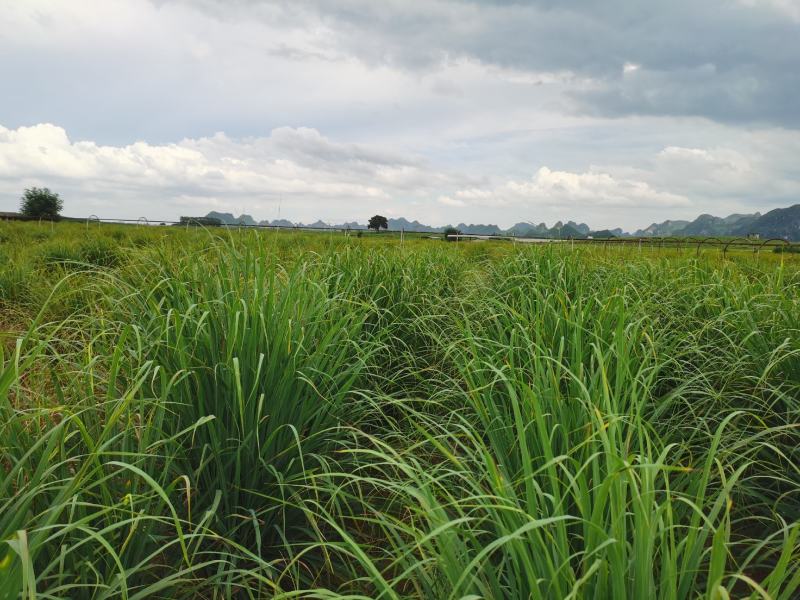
(229, 219)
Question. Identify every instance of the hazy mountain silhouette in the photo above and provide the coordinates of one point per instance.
(781, 223)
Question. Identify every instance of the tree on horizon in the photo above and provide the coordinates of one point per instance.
(377, 223)
(448, 231)
(41, 203)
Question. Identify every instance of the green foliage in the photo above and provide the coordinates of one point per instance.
(603, 233)
(41, 203)
(60, 253)
(13, 281)
(270, 414)
(201, 221)
(377, 223)
(100, 252)
(448, 231)
(14, 284)
(92, 252)
(269, 353)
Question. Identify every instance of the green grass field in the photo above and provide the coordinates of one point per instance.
(194, 414)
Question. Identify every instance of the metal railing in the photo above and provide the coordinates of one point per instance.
(653, 242)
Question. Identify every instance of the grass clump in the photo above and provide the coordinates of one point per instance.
(101, 252)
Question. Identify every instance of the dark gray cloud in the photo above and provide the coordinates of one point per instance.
(743, 95)
(724, 60)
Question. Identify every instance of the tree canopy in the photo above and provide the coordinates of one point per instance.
(448, 231)
(378, 222)
(41, 203)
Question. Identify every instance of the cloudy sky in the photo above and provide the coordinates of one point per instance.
(613, 112)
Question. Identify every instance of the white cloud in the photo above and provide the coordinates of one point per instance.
(712, 164)
(299, 164)
(630, 67)
(310, 175)
(733, 175)
(790, 8)
(575, 190)
(449, 201)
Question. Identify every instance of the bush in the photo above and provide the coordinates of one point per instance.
(450, 231)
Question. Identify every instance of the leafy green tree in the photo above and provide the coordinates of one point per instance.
(41, 203)
(378, 222)
(448, 231)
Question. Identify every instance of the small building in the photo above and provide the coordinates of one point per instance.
(753, 236)
(11, 216)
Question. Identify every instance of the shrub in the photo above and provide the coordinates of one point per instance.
(448, 231)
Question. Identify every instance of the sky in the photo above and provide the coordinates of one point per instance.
(617, 113)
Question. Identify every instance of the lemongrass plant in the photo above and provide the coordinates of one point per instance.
(262, 414)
